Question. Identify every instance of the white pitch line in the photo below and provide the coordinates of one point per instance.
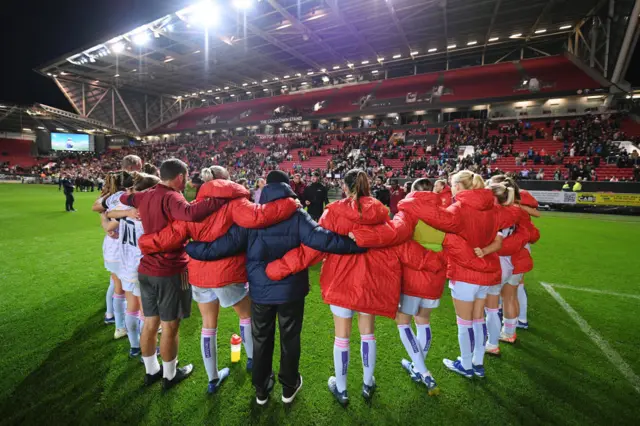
(610, 353)
(594, 290)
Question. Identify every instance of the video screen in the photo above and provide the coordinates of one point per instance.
(69, 142)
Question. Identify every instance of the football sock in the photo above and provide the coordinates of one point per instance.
(209, 348)
(169, 369)
(424, 338)
(151, 364)
(119, 303)
(368, 355)
(522, 300)
(110, 291)
(247, 339)
(510, 326)
(133, 331)
(466, 341)
(480, 338)
(493, 325)
(413, 349)
(341, 362)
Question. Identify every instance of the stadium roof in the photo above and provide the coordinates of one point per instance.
(211, 50)
(38, 118)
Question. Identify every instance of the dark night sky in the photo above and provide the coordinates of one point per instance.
(35, 32)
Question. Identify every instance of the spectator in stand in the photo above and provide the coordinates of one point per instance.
(380, 191)
(257, 192)
(315, 197)
(566, 187)
(636, 173)
(396, 195)
(613, 179)
(540, 175)
(298, 187)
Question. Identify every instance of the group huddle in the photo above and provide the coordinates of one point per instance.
(225, 250)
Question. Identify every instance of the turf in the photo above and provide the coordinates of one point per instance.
(60, 365)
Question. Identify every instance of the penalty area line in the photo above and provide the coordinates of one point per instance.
(609, 352)
(594, 290)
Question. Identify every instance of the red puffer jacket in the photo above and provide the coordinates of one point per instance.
(425, 284)
(515, 245)
(526, 199)
(368, 282)
(240, 210)
(472, 221)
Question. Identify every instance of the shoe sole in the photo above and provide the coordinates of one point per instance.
(433, 392)
(292, 397)
(496, 354)
(261, 401)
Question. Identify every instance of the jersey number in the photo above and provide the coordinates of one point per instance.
(129, 236)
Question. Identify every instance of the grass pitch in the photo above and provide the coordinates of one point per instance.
(59, 364)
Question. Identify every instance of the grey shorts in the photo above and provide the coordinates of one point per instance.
(228, 295)
(410, 305)
(167, 297)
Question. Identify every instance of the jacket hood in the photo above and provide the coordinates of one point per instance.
(220, 188)
(372, 211)
(276, 191)
(477, 199)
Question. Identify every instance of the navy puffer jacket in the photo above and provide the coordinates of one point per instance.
(268, 244)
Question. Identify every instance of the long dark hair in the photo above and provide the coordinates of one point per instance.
(358, 183)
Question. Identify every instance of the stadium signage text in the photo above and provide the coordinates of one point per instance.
(281, 120)
(587, 198)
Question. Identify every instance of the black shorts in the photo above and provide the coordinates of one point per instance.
(167, 297)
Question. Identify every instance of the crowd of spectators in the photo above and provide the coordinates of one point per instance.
(587, 142)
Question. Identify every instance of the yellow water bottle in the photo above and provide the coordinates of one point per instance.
(236, 348)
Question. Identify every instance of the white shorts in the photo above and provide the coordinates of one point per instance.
(410, 305)
(343, 312)
(228, 295)
(132, 287)
(467, 292)
(113, 267)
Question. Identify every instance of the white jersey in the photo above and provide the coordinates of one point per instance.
(110, 246)
(129, 232)
(505, 261)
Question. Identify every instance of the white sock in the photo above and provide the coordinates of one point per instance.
(247, 338)
(493, 325)
(169, 369)
(133, 331)
(110, 291)
(368, 355)
(424, 338)
(480, 339)
(119, 303)
(413, 348)
(522, 300)
(466, 341)
(151, 364)
(209, 349)
(510, 326)
(341, 362)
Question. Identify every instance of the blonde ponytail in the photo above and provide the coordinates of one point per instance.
(206, 175)
(468, 180)
(477, 182)
(504, 195)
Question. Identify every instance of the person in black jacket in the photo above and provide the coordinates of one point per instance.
(315, 197)
(283, 299)
(67, 185)
(380, 191)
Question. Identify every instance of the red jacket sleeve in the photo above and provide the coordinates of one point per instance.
(514, 242)
(390, 233)
(526, 199)
(416, 257)
(435, 216)
(294, 261)
(507, 216)
(250, 215)
(179, 209)
(130, 200)
(170, 238)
